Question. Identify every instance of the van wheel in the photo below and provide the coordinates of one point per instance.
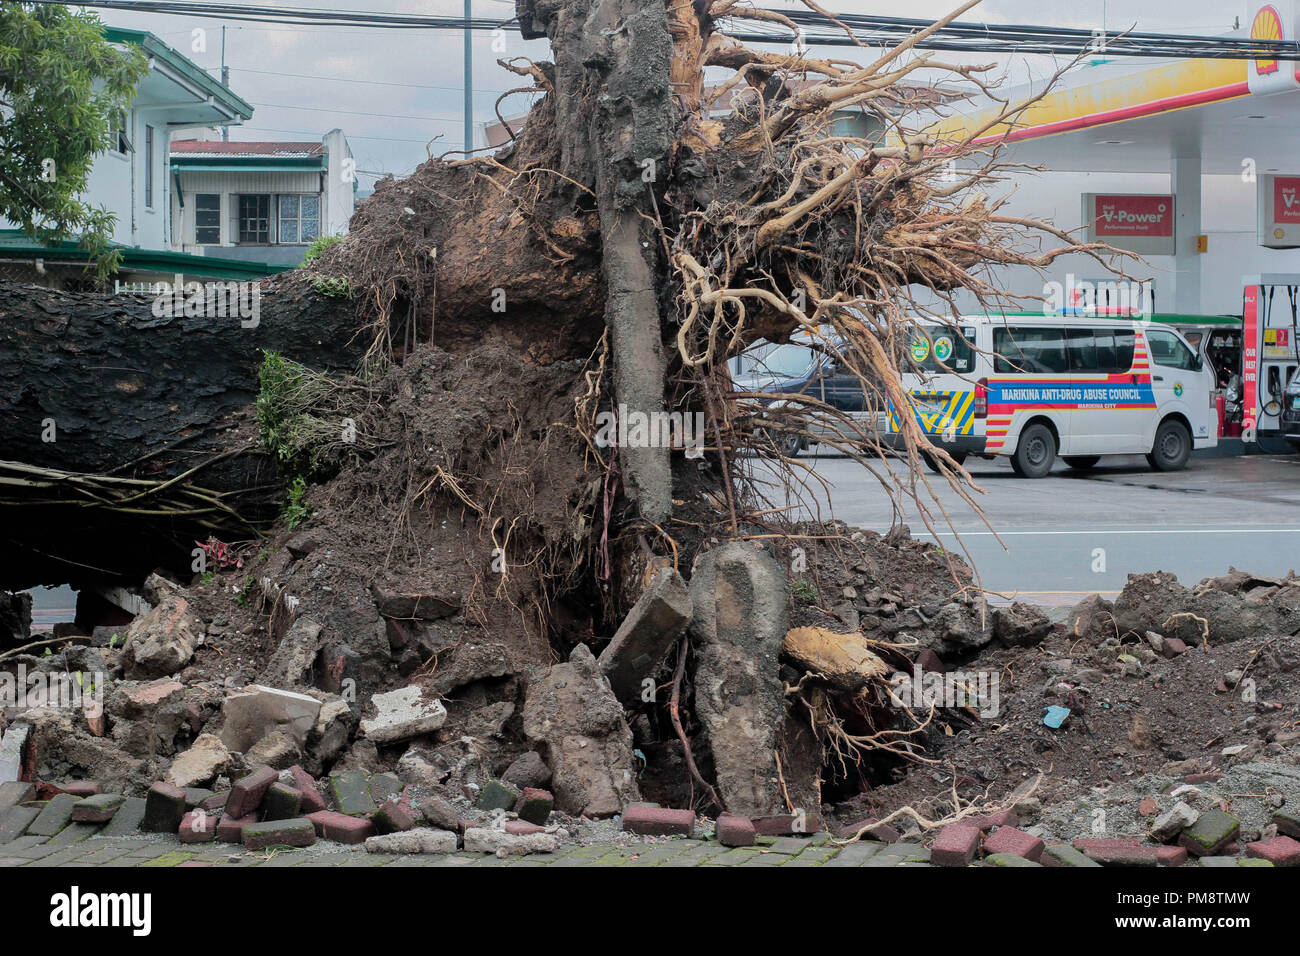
(789, 444)
(1081, 462)
(1172, 448)
(933, 464)
(1035, 452)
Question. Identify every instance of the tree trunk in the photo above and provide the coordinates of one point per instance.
(91, 383)
(99, 392)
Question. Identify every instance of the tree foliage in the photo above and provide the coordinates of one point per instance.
(62, 85)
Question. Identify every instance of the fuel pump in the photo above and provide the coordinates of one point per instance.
(1270, 360)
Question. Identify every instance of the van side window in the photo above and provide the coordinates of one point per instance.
(1114, 349)
(1028, 349)
(1083, 350)
(1168, 351)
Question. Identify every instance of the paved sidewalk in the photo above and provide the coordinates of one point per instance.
(816, 850)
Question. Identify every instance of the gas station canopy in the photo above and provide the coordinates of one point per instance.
(1135, 116)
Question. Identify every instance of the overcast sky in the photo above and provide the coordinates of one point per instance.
(391, 91)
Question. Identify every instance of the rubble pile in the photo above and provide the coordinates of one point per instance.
(1163, 686)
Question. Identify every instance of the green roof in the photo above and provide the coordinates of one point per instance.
(15, 244)
(155, 48)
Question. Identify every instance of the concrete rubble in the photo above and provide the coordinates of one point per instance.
(741, 617)
(509, 760)
(571, 714)
(402, 714)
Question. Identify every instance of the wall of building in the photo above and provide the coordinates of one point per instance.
(117, 182)
(228, 185)
(1227, 219)
(340, 190)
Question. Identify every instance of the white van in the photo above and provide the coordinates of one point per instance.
(1034, 387)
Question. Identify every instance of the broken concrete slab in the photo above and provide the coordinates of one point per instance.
(1168, 825)
(655, 621)
(292, 660)
(202, 763)
(741, 617)
(162, 641)
(257, 710)
(402, 714)
(419, 840)
(483, 840)
(12, 743)
(276, 750)
(329, 736)
(571, 712)
(440, 814)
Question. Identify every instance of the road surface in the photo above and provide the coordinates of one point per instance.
(1076, 533)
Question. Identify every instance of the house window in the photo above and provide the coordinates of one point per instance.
(255, 219)
(207, 219)
(299, 218)
(121, 142)
(148, 167)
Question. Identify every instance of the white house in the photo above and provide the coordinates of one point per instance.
(130, 178)
(260, 201)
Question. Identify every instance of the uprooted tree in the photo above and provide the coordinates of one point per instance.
(470, 522)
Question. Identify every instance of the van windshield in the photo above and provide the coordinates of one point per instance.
(786, 361)
(941, 350)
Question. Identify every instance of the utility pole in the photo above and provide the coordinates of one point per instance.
(468, 108)
(225, 81)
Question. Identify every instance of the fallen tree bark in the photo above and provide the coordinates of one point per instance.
(94, 383)
(125, 435)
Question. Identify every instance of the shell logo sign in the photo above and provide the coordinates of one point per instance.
(1266, 26)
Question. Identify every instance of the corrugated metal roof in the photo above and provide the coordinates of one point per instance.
(216, 149)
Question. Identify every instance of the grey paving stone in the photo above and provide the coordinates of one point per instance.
(74, 833)
(855, 854)
(15, 821)
(54, 816)
(15, 792)
(126, 821)
(22, 843)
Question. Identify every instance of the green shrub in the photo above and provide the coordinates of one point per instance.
(318, 246)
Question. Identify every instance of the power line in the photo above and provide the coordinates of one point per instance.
(961, 36)
(348, 79)
(332, 109)
(307, 132)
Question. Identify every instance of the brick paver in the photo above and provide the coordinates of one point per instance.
(74, 846)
